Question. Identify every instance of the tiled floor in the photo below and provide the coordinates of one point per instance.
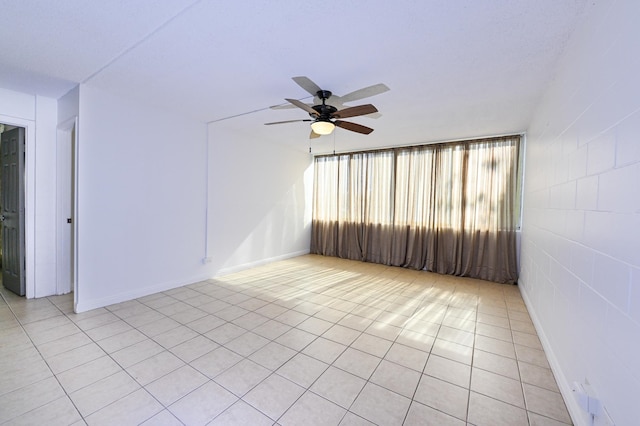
(306, 341)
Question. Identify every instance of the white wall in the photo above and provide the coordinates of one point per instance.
(147, 182)
(141, 183)
(42, 170)
(581, 228)
(259, 201)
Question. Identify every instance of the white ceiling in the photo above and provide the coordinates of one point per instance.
(455, 68)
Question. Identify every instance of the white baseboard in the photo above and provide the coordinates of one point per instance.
(87, 305)
(249, 265)
(578, 415)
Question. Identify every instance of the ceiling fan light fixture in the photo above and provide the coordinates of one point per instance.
(323, 127)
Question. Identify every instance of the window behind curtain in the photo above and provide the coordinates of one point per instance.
(449, 208)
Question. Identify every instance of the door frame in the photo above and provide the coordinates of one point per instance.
(66, 147)
(29, 199)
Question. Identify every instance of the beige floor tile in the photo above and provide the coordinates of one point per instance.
(452, 351)
(274, 396)
(103, 392)
(499, 321)
(242, 377)
(143, 318)
(357, 362)
(407, 356)
(57, 412)
(272, 355)
(324, 350)
(96, 320)
(216, 361)
(443, 396)
(203, 404)
(454, 335)
(137, 352)
(175, 336)
(296, 339)
(312, 410)
(532, 356)
(494, 331)
(372, 344)
(341, 334)
(241, 413)
(75, 357)
(380, 405)
(134, 409)
(399, 379)
(173, 386)
(496, 364)
(120, 341)
(108, 330)
(250, 320)
(315, 326)
(538, 376)
(153, 368)
(538, 420)
(302, 369)
(423, 324)
(486, 411)
(160, 326)
(25, 371)
(86, 374)
(389, 316)
(384, 331)
(205, 324)
(225, 333)
(247, 343)
(351, 419)
(292, 318)
(526, 339)
(271, 329)
(163, 418)
(464, 324)
(495, 346)
(338, 386)
(450, 371)
(194, 348)
(29, 398)
(497, 387)
(423, 342)
(58, 332)
(356, 322)
(422, 415)
(546, 403)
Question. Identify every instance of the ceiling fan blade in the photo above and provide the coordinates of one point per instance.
(376, 89)
(307, 84)
(287, 121)
(303, 106)
(353, 127)
(355, 111)
(313, 135)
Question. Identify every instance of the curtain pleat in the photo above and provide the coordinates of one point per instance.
(447, 208)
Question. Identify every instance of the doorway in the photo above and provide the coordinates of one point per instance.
(12, 208)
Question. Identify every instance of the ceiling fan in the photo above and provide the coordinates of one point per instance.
(325, 116)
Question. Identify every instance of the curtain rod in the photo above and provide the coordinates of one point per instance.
(444, 142)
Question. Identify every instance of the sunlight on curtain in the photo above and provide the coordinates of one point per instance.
(449, 208)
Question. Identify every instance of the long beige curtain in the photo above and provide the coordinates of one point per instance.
(448, 208)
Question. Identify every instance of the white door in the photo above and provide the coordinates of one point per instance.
(12, 211)
(65, 209)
